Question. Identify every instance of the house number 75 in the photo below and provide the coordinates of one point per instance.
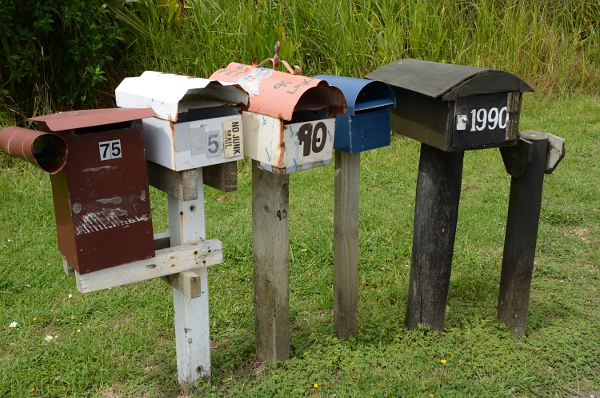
(110, 150)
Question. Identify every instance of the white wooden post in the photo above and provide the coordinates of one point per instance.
(192, 333)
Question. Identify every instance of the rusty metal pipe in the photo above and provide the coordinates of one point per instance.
(44, 150)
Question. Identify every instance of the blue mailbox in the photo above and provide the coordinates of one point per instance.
(366, 123)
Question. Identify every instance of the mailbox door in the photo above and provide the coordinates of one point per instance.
(482, 121)
(193, 144)
(309, 144)
(287, 148)
(362, 132)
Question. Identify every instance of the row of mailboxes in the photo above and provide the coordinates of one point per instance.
(285, 122)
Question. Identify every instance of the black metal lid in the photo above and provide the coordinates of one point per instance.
(446, 80)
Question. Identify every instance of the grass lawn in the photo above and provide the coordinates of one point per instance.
(56, 342)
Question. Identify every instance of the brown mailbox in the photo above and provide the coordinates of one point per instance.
(101, 197)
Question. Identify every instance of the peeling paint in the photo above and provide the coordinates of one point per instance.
(94, 169)
(116, 200)
(105, 219)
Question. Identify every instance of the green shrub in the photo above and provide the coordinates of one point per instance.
(57, 49)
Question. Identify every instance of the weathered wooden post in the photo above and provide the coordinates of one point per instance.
(270, 223)
(345, 255)
(449, 109)
(535, 154)
(289, 127)
(364, 126)
(436, 215)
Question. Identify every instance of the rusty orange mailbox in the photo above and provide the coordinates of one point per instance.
(101, 196)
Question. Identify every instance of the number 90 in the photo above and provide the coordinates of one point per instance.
(492, 119)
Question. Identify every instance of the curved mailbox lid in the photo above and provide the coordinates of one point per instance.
(362, 94)
(446, 80)
(170, 94)
(280, 94)
(92, 117)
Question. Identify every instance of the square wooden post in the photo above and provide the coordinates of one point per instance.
(192, 327)
(345, 284)
(436, 215)
(270, 212)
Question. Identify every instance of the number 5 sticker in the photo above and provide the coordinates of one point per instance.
(110, 150)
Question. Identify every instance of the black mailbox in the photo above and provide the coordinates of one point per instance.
(454, 107)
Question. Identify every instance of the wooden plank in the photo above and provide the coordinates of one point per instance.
(436, 214)
(270, 212)
(221, 176)
(162, 240)
(180, 184)
(345, 282)
(166, 262)
(187, 282)
(517, 158)
(556, 152)
(69, 270)
(521, 237)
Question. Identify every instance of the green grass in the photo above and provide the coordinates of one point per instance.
(120, 342)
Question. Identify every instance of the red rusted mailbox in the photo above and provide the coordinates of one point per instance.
(101, 197)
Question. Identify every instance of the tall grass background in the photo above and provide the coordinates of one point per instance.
(552, 44)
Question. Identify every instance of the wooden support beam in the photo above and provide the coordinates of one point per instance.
(222, 176)
(188, 283)
(166, 262)
(521, 230)
(69, 270)
(181, 184)
(436, 215)
(345, 282)
(270, 208)
(162, 240)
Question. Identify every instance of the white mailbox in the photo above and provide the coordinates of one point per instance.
(198, 122)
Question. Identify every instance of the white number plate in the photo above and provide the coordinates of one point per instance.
(110, 150)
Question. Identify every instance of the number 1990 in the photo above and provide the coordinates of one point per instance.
(490, 119)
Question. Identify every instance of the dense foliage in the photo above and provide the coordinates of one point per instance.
(55, 49)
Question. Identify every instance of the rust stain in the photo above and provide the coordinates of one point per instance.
(172, 133)
(280, 161)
